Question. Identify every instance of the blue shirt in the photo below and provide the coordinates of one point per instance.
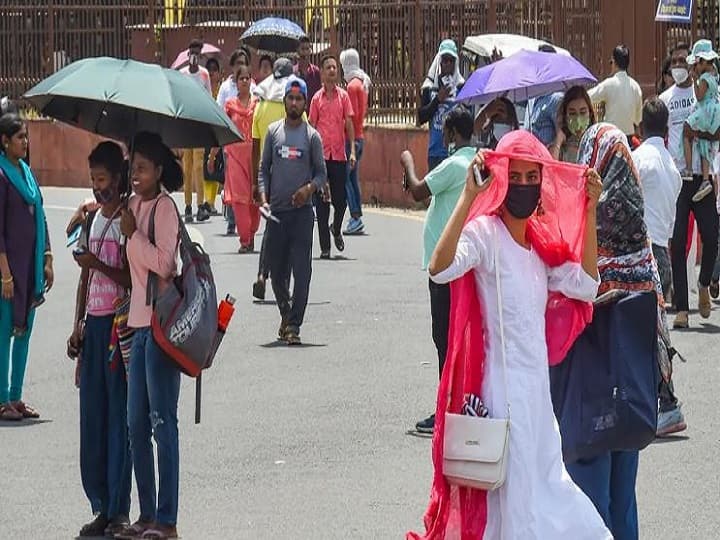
(542, 118)
(436, 148)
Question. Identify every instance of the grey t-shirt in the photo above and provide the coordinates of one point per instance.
(291, 158)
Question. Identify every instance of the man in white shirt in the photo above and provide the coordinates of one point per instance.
(620, 94)
(193, 157)
(661, 183)
(680, 101)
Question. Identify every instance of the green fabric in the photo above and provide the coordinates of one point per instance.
(11, 386)
(29, 190)
(446, 182)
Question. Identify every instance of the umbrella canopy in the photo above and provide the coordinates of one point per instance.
(273, 34)
(524, 75)
(119, 98)
(208, 51)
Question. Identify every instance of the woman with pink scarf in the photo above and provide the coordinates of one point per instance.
(535, 219)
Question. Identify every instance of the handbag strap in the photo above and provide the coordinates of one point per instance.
(500, 312)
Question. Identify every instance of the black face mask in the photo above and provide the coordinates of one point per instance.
(522, 199)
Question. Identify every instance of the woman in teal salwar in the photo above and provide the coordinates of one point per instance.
(26, 271)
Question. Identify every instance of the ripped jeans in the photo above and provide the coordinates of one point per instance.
(153, 391)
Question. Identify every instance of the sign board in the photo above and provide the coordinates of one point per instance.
(675, 11)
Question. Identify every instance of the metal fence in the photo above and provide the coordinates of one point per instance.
(396, 39)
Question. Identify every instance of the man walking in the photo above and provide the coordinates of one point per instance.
(358, 86)
(620, 94)
(441, 86)
(331, 113)
(680, 101)
(291, 171)
(271, 108)
(192, 158)
(308, 71)
(661, 185)
(444, 184)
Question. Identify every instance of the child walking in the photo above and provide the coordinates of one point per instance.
(705, 117)
(105, 464)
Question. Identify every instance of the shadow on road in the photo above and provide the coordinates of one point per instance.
(276, 344)
(417, 434)
(274, 303)
(335, 258)
(704, 328)
(670, 439)
(24, 423)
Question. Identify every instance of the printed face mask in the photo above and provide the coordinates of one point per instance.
(679, 75)
(104, 196)
(579, 124)
(522, 199)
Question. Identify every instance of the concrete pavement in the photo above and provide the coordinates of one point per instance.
(312, 442)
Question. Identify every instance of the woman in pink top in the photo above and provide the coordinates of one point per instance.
(153, 381)
(238, 191)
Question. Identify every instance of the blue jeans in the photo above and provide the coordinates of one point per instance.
(105, 465)
(609, 482)
(352, 185)
(11, 383)
(153, 391)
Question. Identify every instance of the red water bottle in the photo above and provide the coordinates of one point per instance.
(225, 313)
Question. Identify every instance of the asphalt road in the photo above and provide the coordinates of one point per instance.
(313, 442)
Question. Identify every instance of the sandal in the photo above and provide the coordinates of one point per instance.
(135, 530)
(95, 528)
(26, 410)
(8, 413)
(160, 532)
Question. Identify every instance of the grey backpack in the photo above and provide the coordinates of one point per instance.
(185, 314)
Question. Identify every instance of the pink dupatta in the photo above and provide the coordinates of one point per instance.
(557, 235)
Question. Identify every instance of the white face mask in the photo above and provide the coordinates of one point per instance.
(679, 75)
(500, 130)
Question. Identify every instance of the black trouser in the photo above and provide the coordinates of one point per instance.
(440, 313)
(336, 175)
(263, 263)
(707, 220)
(290, 251)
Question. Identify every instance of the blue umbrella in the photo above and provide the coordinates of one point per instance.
(524, 75)
(273, 34)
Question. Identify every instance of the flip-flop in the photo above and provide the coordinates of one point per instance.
(8, 413)
(158, 534)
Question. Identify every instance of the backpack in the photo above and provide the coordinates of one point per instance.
(185, 315)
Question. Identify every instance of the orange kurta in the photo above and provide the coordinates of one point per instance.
(238, 156)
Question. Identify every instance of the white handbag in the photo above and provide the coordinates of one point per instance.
(476, 448)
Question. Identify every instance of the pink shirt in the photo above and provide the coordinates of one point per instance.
(328, 117)
(103, 290)
(144, 257)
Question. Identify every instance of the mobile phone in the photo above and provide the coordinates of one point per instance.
(79, 251)
(481, 176)
(267, 214)
(405, 183)
(74, 235)
(447, 81)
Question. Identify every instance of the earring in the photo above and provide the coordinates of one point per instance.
(540, 209)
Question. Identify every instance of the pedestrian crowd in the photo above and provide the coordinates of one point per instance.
(493, 187)
(544, 229)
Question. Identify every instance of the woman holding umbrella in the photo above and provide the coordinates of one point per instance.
(26, 267)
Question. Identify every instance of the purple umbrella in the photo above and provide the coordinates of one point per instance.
(524, 75)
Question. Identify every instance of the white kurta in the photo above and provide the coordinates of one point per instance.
(539, 500)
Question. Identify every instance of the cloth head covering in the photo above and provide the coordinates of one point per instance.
(625, 260)
(296, 82)
(447, 47)
(350, 62)
(557, 237)
(702, 49)
(273, 88)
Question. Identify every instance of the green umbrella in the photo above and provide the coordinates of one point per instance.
(119, 98)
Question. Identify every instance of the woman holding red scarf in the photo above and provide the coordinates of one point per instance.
(538, 215)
